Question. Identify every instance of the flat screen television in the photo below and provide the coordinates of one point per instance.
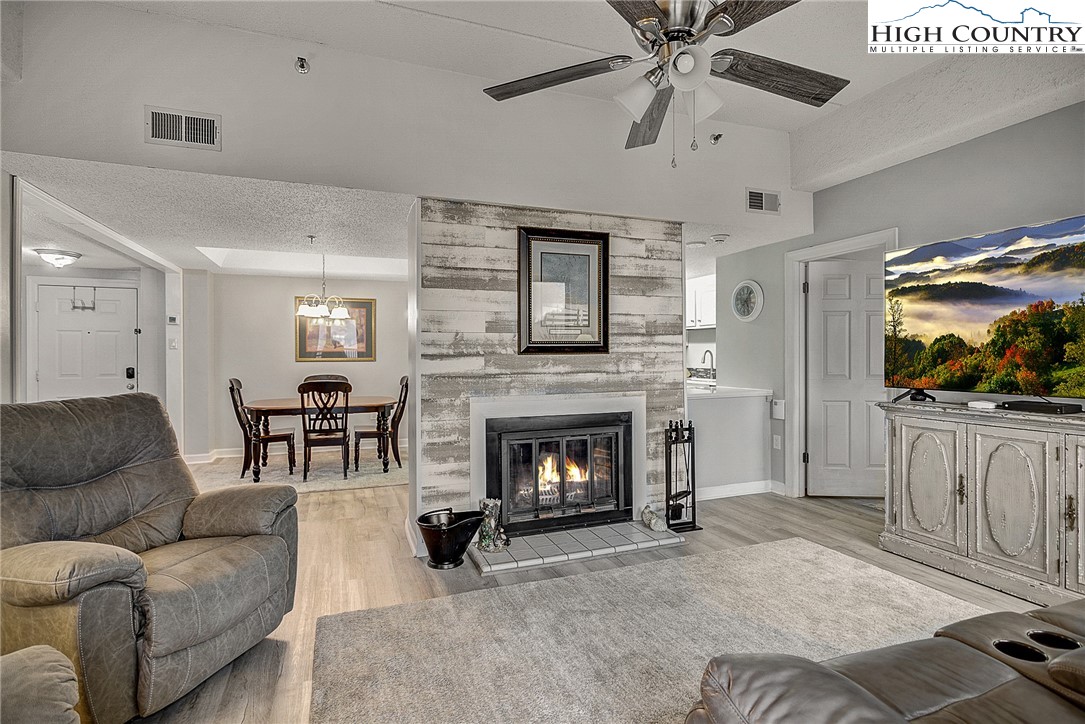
(1002, 312)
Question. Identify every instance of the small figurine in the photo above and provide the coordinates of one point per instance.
(651, 519)
(491, 537)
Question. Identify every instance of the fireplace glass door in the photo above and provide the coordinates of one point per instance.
(550, 475)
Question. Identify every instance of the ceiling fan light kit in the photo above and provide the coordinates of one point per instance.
(639, 94)
(701, 103)
(671, 33)
(689, 68)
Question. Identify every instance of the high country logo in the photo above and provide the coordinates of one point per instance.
(975, 26)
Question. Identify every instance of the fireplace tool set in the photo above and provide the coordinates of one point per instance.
(681, 507)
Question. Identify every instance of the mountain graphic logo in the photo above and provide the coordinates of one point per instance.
(1028, 15)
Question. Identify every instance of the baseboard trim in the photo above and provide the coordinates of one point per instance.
(753, 487)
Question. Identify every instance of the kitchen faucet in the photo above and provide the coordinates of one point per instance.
(711, 365)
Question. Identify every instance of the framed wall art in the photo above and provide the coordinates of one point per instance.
(353, 339)
(563, 291)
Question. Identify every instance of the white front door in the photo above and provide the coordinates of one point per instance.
(84, 351)
(845, 340)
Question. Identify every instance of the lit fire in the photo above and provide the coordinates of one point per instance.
(549, 473)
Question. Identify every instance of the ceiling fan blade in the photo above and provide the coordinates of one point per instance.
(557, 77)
(776, 76)
(744, 13)
(634, 10)
(645, 131)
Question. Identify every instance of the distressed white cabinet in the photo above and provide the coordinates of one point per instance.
(930, 483)
(701, 303)
(1074, 475)
(1014, 509)
(988, 495)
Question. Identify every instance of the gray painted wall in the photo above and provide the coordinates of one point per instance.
(467, 341)
(1024, 174)
(197, 351)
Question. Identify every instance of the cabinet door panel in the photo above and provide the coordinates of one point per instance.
(1013, 499)
(1074, 477)
(927, 477)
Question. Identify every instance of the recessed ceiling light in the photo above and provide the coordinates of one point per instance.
(58, 257)
(696, 244)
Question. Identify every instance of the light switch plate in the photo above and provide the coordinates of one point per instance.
(778, 407)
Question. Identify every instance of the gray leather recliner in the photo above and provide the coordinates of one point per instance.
(113, 557)
(1000, 667)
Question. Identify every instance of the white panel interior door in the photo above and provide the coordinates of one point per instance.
(845, 333)
(85, 352)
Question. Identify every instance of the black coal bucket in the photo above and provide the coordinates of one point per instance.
(447, 535)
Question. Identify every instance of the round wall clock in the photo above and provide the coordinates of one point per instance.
(747, 300)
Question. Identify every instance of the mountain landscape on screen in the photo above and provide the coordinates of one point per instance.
(999, 313)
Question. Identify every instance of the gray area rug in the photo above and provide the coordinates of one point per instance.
(325, 472)
(625, 645)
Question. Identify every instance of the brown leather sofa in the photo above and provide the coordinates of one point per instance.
(1002, 667)
(112, 556)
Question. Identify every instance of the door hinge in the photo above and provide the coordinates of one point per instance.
(1071, 513)
(806, 457)
(806, 287)
(961, 490)
(1058, 449)
(1058, 566)
(137, 330)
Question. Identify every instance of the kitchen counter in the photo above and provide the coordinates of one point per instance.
(731, 425)
(701, 391)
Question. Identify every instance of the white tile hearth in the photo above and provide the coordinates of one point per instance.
(547, 549)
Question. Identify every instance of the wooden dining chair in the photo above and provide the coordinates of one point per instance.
(271, 436)
(393, 429)
(337, 378)
(324, 410)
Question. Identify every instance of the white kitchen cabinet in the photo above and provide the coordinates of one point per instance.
(701, 303)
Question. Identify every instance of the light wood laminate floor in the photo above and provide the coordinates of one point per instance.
(353, 554)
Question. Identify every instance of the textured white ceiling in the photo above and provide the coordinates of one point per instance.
(501, 40)
(46, 227)
(172, 212)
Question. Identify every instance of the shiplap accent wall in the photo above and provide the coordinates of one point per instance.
(467, 331)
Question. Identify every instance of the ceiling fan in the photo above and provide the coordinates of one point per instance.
(671, 32)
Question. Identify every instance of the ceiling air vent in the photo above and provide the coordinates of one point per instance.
(763, 202)
(170, 127)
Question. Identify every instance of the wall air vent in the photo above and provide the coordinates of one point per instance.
(763, 202)
(170, 127)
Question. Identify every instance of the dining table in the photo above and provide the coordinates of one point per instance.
(261, 411)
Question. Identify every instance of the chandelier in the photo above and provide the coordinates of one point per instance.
(321, 306)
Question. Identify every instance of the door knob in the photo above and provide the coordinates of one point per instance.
(130, 386)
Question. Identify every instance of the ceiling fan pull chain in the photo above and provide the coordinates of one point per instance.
(674, 136)
(693, 120)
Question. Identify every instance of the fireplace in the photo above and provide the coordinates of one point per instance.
(560, 471)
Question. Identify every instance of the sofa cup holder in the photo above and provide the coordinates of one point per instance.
(1020, 650)
(1053, 640)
